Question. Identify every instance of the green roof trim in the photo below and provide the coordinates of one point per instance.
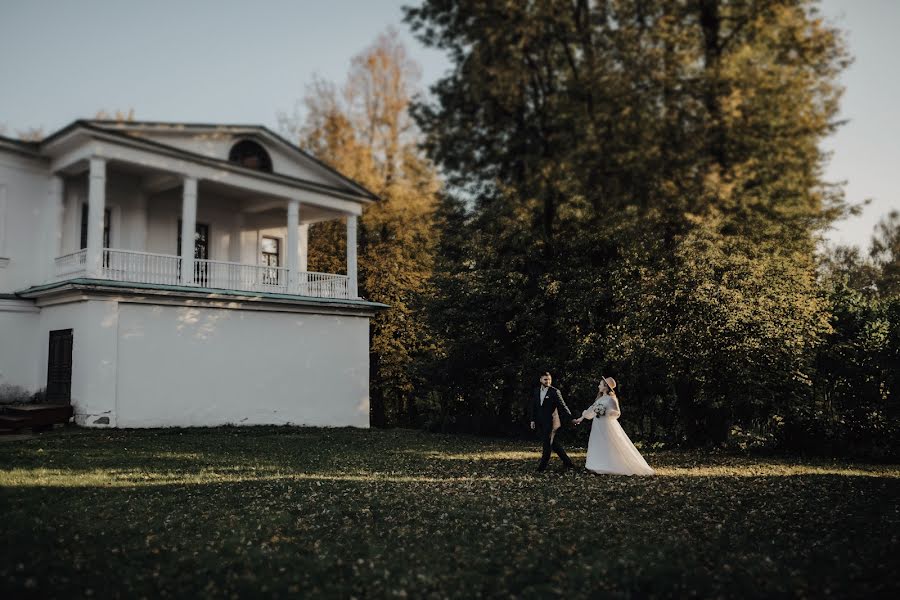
(204, 290)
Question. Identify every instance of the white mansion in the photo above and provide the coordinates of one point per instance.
(154, 274)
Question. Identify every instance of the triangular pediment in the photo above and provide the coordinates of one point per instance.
(218, 142)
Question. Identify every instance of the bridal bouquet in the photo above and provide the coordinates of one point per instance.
(600, 410)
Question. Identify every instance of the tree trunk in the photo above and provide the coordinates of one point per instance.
(376, 395)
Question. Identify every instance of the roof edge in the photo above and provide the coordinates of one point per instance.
(120, 135)
(261, 128)
(193, 291)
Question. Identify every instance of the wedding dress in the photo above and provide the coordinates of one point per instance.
(609, 448)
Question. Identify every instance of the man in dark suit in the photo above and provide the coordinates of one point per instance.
(544, 402)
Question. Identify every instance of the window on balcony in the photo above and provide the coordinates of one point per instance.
(270, 252)
(84, 227)
(201, 252)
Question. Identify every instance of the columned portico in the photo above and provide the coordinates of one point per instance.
(251, 234)
(96, 211)
(352, 287)
(188, 229)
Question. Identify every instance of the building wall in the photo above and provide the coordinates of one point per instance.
(19, 357)
(94, 325)
(24, 245)
(185, 366)
(145, 365)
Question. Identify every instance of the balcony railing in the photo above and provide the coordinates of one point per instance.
(165, 269)
(69, 265)
(140, 267)
(238, 276)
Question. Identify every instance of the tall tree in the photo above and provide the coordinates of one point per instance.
(646, 192)
(365, 132)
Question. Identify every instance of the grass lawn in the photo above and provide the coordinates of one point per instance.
(342, 512)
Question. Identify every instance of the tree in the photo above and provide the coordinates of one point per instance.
(646, 192)
(885, 253)
(120, 116)
(366, 133)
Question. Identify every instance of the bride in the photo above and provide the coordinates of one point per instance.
(609, 448)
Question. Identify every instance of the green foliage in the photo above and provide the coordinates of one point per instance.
(643, 185)
(338, 513)
(856, 404)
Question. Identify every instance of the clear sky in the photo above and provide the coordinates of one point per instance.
(225, 61)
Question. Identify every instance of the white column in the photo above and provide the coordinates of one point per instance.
(234, 243)
(53, 224)
(351, 257)
(303, 256)
(96, 211)
(141, 222)
(188, 229)
(291, 252)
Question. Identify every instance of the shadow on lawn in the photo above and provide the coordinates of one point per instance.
(154, 457)
(368, 513)
(343, 534)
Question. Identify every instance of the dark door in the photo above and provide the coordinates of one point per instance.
(59, 366)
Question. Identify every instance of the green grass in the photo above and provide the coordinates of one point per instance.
(283, 511)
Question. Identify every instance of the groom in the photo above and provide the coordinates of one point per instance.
(545, 400)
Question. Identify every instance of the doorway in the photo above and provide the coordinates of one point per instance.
(59, 367)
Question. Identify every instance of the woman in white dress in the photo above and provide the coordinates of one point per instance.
(609, 448)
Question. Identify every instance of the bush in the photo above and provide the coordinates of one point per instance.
(16, 394)
(13, 394)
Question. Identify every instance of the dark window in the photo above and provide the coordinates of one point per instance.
(270, 251)
(201, 252)
(248, 153)
(201, 241)
(84, 227)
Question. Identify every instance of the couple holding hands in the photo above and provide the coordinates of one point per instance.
(609, 448)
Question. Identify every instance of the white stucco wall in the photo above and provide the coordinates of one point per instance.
(94, 356)
(146, 365)
(24, 185)
(19, 358)
(184, 366)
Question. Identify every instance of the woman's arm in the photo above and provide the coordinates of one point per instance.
(591, 411)
(613, 411)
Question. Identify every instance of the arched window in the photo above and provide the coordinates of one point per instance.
(248, 153)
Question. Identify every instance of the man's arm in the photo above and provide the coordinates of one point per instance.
(562, 405)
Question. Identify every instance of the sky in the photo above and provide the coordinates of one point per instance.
(223, 61)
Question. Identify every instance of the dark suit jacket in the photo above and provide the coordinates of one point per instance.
(543, 414)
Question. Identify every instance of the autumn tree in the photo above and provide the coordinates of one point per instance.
(364, 130)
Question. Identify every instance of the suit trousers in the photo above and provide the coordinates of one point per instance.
(551, 442)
